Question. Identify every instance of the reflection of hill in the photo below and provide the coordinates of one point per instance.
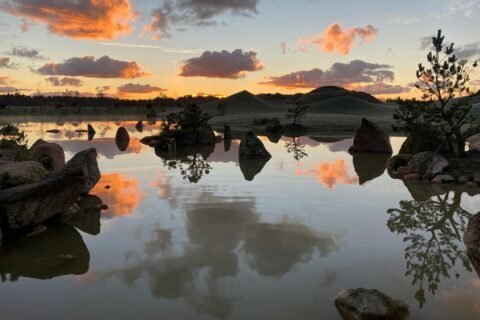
(58, 251)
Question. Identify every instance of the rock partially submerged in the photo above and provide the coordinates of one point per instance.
(86, 162)
(428, 163)
(370, 139)
(252, 148)
(369, 304)
(91, 132)
(31, 204)
(51, 155)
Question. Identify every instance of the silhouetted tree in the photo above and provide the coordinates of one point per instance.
(443, 79)
(297, 113)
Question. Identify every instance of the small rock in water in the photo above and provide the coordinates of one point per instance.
(471, 184)
(36, 231)
(104, 207)
(367, 304)
(53, 131)
(446, 178)
(108, 187)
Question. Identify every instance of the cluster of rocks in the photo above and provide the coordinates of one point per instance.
(43, 187)
(429, 166)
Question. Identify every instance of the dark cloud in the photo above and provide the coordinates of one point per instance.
(224, 64)
(469, 51)
(25, 52)
(104, 67)
(92, 19)
(64, 82)
(200, 13)
(8, 89)
(136, 88)
(340, 74)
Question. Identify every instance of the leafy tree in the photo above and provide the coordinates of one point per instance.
(442, 81)
(433, 233)
(297, 113)
(192, 118)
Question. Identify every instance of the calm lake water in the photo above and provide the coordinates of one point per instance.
(280, 246)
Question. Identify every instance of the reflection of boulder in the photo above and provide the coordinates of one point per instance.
(58, 251)
(365, 304)
(122, 139)
(274, 249)
(227, 144)
(370, 138)
(139, 126)
(252, 147)
(274, 136)
(91, 132)
(471, 238)
(251, 167)
(87, 219)
(369, 166)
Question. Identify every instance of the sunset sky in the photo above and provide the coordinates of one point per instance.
(142, 48)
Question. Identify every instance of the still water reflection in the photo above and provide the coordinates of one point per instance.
(202, 235)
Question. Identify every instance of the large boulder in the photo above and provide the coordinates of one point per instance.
(34, 203)
(370, 139)
(428, 162)
(365, 304)
(51, 155)
(252, 147)
(86, 161)
(14, 174)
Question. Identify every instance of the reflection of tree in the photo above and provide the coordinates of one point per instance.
(191, 161)
(434, 230)
(192, 167)
(297, 148)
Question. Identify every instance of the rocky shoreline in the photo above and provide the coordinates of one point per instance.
(37, 185)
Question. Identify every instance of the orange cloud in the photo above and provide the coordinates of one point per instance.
(330, 174)
(123, 196)
(88, 19)
(336, 39)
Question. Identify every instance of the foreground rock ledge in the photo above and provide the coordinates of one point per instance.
(31, 204)
(369, 304)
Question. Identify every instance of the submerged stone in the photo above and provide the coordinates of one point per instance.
(369, 304)
(252, 147)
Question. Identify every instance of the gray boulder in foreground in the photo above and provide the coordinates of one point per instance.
(369, 304)
(14, 174)
(252, 148)
(31, 204)
(370, 138)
